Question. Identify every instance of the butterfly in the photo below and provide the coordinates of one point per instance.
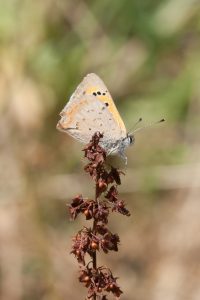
(91, 109)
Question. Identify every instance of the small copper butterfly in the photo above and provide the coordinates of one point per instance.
(91, 109)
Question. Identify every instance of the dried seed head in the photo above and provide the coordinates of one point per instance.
(99, 279)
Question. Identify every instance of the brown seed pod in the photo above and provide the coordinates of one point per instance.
(87, 213)
(94, 245)
(86, 278)
(111, 286)
(102, 184)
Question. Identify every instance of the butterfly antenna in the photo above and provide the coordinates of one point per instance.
(149, 125)
(136, 123)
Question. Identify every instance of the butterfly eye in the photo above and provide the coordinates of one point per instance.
(106, 104)
(132, 139)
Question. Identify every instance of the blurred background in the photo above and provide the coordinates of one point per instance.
(148, 54)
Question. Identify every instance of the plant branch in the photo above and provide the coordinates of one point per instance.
(98, 279)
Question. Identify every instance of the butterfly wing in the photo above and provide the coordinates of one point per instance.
(90, 116)
(90, 109)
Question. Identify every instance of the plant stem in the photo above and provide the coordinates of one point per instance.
(94, 257)
(94, 261)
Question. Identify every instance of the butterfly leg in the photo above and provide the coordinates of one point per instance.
(120, 152)
(123, 156)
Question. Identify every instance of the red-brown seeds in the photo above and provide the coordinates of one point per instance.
(99, 280)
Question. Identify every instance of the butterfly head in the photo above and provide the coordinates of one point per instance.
(128, 140)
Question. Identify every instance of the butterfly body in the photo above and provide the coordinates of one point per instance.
(118, 147)
(91, 109)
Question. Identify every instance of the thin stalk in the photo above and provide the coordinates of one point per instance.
(94, 256)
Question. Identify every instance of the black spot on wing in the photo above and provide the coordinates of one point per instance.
(106, 104)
